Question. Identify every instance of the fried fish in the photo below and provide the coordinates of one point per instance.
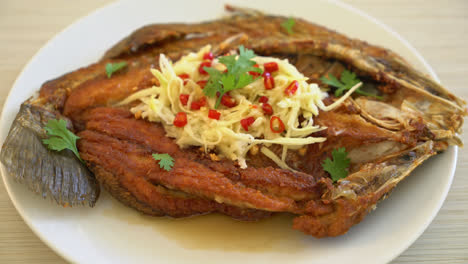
(386, 138)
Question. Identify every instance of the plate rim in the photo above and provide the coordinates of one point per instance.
(399, 250)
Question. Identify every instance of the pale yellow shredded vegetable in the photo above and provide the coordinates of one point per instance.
(226, 136)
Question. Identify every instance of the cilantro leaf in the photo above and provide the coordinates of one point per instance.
(229, 61)
(349, 78)
(243, 80)
(237, 75)
(113, 67)
(333, 81)
(347, 81)
(338, 166)
(60, 137)
(214, 83)
(288, 25)
(229, 82)
(166, 162)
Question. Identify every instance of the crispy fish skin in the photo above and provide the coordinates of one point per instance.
(115, 140)
(418, 118)
(265, 35)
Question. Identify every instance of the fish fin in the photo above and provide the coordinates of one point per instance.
(377, 178)
(57, 175)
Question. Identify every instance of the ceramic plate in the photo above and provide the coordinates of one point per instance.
(112, 233)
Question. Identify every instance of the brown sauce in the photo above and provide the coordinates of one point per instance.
(218, 232)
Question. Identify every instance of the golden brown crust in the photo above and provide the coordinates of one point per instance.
(116, 140)
(118, 147)
(111, 184)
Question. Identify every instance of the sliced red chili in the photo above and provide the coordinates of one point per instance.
(184, 77)
(263, 99)
(267, 109)
(254, 73)
(202, 83)
(213, 114)
(196, 105)
(268, 81)
(201, 69)
(228, 101)
(208, 56)
(292, 88)
(180, 119)
(246, 122)
(184, 98)
(202, 101)
(276, 125)
(271, 66)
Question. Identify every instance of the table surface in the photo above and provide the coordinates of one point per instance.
(438, 30)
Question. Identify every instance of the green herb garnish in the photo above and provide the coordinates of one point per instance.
(347, 81)
(166, 162)
(288, 25)
(113, 67)
(60, 137)
(236, 77)
(338, 166)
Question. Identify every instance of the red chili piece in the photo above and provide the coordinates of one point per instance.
(253, 73)
(184, 98)
(228, 101)
(208, 56)
(276, 125)
(267, 109)
(202, 65)
(180, 119)
(202, 83)
(213, 114)
(292, 88)
(263, 99)
(268, 81)
(246, 122)
(271, 66)
(196, 105)
(184, 77)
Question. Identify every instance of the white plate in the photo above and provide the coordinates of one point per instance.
(112, 233)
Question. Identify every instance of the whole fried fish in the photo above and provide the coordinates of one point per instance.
(386, 139)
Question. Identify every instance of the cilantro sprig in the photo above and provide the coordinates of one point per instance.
(347, 81)
(59, 137)
(166, 162)
(114, 67)
(236, 77)
(338, 166)
(288, 25)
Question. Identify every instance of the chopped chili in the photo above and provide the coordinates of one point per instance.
(246, 122)
(180, 119)
(276, 125)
